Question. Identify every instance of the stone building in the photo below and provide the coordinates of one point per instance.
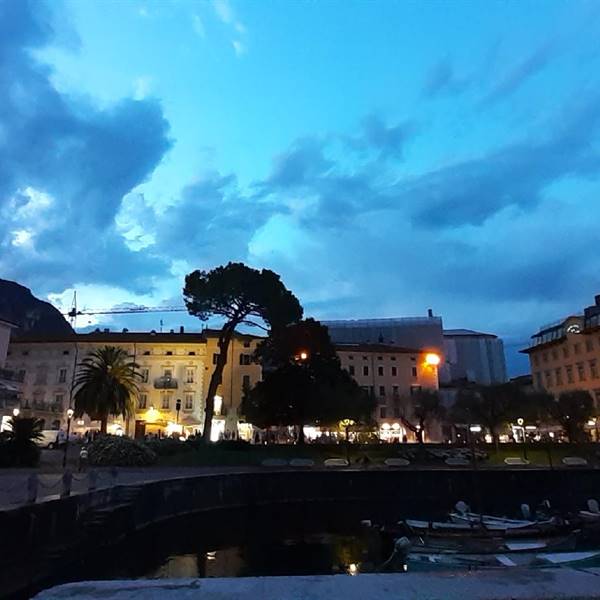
(173, 366)
(392, 374)
(566, 355)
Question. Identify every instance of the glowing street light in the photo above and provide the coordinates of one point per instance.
(303, 355)
(432, 359)
(70, 413)
(16, 412)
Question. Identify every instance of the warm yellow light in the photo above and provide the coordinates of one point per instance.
(70, 413)
(432, 359)
(385, 426)
(395, 426)
(16, 412)
(303, 355)
(353, 568)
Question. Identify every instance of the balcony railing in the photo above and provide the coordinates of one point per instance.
(9, 375)
(165, 383)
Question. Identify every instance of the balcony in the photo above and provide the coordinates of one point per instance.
(165, 383)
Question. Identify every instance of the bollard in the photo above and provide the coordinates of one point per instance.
(32, 488)
(92, 480)
(67, 479)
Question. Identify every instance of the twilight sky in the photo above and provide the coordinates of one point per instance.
(383, 156)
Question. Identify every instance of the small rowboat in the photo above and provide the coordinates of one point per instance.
(491, 521)
(477, 529)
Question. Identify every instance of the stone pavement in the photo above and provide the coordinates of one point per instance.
(505, 584)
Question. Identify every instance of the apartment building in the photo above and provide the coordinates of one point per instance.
(175, 368)
(566, 355)
(392, 374)
(10, 381)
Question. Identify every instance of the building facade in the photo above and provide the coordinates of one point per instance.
(392, 375)
(173, 367)
(10, 380)
(474, 357)
(565, 355)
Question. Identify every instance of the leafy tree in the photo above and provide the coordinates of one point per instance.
(106, 384)
(571, 411)
(427, 406)
(491, 406)
(305, 383)
(237, 293)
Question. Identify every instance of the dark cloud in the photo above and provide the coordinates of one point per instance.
(65, 166)
(387, 141)
(442, 79)
(515, 77)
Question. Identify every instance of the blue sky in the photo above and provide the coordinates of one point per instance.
(383, 157)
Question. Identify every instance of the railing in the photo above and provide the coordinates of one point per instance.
(165, 383)
(9, 375)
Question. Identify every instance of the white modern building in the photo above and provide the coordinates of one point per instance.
(474, 356)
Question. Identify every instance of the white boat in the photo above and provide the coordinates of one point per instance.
(465, 525)
(490, 521)
(525, 559)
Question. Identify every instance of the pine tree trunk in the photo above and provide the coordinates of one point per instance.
(215, 380)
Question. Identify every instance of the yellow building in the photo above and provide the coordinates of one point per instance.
(174, 366)
(392, 375)
(566, 355)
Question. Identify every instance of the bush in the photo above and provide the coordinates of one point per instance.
(108, 451)
(168, 446)
(232, 444)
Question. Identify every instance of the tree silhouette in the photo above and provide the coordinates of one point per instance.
(237, 293)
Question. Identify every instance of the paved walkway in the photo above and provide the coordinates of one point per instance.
(518, 584)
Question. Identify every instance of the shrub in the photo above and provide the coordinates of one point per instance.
(232, 444)
(168, 446)
(118, 451)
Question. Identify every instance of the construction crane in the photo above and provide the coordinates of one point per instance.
(75, 312)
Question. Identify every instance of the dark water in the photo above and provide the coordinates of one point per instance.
(286, 539)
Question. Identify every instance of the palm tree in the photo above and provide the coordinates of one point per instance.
(106, 384)
(23, 431)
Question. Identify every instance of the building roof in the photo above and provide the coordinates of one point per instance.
(11, 324)
(198, 337)
(383, 348)
(466, 333)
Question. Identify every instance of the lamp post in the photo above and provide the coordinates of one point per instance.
(302, 358)
(346, 423)
(70, 413)
(520, 422)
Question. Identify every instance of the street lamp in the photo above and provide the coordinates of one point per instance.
(16, 412)
(346, 423)
(70, 413)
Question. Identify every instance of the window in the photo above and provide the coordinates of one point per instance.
(168, 373)
(414, 371)
(380, 358)
(380, 371)
(246, 344)
(189, 402)
(65, 352)
(351, 369)
(415, 389)
(569, 370)
(191, 353)
(146, 352)
(189, 375)
(145, 375)
(589, 345)
(558, 376)
(538, 380)
(58, 399)
(22, 374)
(545, 357)
(350, 357)
(169, 353)
(394, 371)
(395, 390)
(548, 379)
(594, 369)
(62, 375)
(365, 370)
(382, 412)
(25, 353)
(245, 359)
(566, 352)
(392, 358)
(365, 357)
(245, 382)
(142, 401)
(576, 348)
(215, 358)
(580, 372)
(382, 390)
(166, 401)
